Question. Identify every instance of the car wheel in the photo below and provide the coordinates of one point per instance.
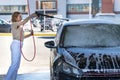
(53, 73)
(57, 69)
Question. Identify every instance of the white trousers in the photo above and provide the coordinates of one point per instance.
(15, 60)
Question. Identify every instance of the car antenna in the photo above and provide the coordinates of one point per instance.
(40, 14)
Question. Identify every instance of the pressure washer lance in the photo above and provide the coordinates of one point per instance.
(40, 14)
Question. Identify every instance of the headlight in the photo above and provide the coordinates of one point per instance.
(67, 68)
(69, 64)
(70, 69)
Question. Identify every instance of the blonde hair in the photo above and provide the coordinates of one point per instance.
(14, 16)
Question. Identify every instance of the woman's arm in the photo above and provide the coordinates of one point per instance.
(28, 35)
(28, 18)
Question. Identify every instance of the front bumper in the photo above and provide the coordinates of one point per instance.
(90, 76)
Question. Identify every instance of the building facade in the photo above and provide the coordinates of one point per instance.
(72, 9)
(7, 7)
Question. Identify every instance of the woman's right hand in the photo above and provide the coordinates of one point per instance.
(32, 33)
(33, 15)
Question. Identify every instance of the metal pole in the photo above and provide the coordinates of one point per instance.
(44, 18)
(90, 9)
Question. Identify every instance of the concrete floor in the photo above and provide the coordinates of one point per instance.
(35, 70)
(31, 76)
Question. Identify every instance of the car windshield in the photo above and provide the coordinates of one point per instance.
(92, 35)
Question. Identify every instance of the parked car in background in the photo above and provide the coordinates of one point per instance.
(48, 25)
(5, 27)
(56, 21)
(40, 24)
(86, 50)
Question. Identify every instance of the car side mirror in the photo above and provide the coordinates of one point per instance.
(50, 44)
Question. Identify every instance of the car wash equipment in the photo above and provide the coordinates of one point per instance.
(29, 60)
(40, 14)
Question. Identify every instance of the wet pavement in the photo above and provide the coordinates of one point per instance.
(44, 75)
(35, 70)
(34, 76)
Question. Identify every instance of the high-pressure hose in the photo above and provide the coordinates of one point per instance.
(29, 60)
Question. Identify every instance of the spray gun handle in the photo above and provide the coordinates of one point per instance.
(40, 14)
(37, 13)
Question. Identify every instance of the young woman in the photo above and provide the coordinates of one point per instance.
(18, 37)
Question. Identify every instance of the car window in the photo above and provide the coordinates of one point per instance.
(92, 35)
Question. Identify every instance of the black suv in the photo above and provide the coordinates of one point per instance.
(86, 50)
